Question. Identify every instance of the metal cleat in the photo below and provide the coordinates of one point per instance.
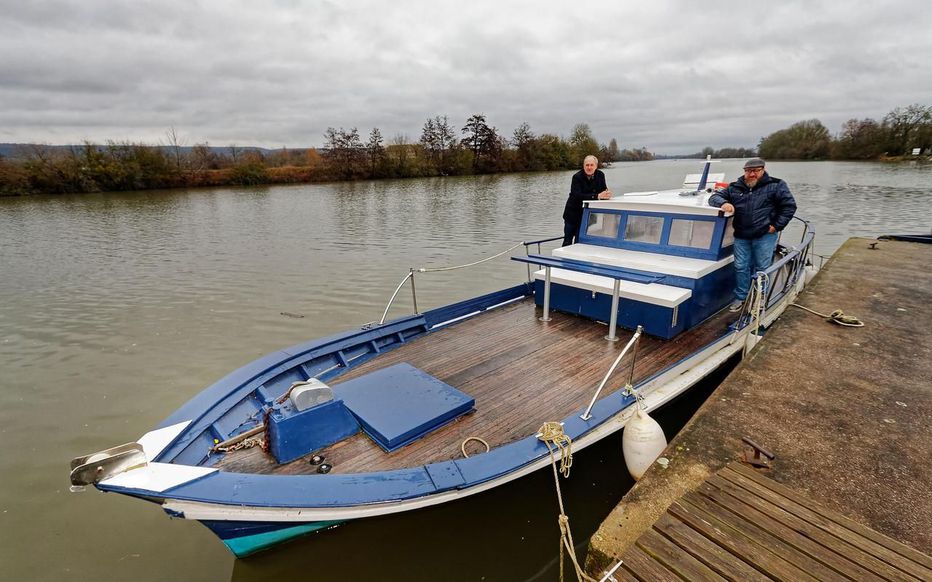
(757, 456)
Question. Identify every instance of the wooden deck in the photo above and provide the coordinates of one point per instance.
(521, 372)
(741, 526)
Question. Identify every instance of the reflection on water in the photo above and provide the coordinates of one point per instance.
(117, 308)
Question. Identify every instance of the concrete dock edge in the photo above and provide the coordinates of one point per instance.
(846, 410)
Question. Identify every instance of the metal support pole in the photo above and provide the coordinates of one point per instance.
(634, 357)
(613, 322)
(546, 316)
(527, 253)
(634, 339)
(413, 292)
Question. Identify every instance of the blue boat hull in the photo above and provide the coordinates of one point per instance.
(247, 538)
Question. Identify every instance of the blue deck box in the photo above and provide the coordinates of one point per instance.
(293, 433)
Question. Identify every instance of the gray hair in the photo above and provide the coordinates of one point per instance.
(591, 157)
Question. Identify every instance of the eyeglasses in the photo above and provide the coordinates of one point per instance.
(753, 170)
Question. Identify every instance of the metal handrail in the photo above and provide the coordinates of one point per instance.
(763, 290)
(410, 275)
(412, 271)
(543, 240)
(527, 251)
(633, 341)
(805, 228)
(793, 263)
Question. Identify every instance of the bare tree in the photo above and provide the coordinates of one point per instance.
(175, 142)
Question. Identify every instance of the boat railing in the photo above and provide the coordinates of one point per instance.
(411, 272)
(527, 251)
(774, 282)
(632, 342)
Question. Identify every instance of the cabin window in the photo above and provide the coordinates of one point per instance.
(644, 229)
(603, 224)
(729, 238)
(692, 233)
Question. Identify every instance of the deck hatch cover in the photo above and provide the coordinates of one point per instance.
(400, 404)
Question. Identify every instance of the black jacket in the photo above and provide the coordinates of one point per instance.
(582, 188)
(756, 209)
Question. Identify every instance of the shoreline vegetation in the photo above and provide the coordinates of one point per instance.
(441, 150)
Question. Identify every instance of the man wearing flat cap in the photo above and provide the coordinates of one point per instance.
(763, 206)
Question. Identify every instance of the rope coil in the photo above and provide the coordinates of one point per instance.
(473, 438)
(838, 316)
(552, 432)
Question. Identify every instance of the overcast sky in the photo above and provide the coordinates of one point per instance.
(669, 76)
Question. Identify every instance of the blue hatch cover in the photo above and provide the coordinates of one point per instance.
(401, 403)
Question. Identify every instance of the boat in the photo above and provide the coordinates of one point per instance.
(437, 406)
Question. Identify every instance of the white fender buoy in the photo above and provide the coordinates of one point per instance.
(642, 442)
(810, 273)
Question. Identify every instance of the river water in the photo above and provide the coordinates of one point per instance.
(117, 308)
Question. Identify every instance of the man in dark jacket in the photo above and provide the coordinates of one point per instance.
(763, 206)
(587, 184)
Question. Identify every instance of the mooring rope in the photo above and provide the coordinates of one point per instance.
(838, 316)
(439, 269)
(552, 432)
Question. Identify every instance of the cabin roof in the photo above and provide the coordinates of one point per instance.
(669, 201)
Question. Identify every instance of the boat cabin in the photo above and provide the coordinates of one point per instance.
(668, 254)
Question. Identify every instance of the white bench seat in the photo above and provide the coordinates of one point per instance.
(652, 293)
(641, 261)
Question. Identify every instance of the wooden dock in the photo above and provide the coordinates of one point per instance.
(846, 412)
(741, 526)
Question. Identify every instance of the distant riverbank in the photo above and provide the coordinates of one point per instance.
(37, 169)
(48, 177)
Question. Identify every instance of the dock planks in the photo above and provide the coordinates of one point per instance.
(522, 373)
(741, 526)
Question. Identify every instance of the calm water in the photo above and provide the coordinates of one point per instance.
(117, 308)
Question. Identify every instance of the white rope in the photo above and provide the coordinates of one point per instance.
(838, 316)
(438, 269)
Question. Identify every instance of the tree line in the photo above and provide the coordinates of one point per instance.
(443, 149)
(899, 133)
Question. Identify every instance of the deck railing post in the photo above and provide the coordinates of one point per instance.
(613, 321)
(634, 356)
(633, 341)
(527, 253)
(546, 316)
(413, 292)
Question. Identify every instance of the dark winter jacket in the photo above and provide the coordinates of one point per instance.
(768, 204)
(582, 188)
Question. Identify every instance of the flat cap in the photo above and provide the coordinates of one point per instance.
(754, 163)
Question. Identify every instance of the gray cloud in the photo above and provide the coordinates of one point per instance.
(670, 76)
